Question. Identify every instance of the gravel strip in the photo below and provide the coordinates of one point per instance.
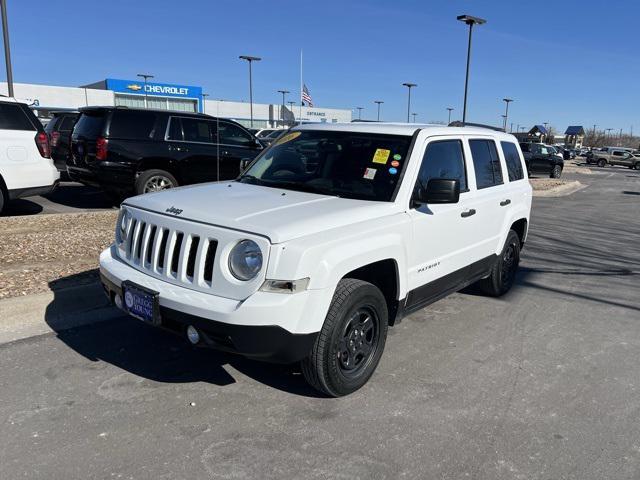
(43, 252)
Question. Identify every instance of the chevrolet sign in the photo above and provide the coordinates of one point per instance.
(135, 87)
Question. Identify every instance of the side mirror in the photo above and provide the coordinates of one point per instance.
(439, 190)
(257, 144)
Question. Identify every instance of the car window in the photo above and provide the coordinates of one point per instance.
(13, 118)
(131, 124)
(196, 130)
(175, 129)
(512, 158)
(51, 126)
(231, 134)
(486, 163)
(443, 159)
(90, 124)
(66, 125)
(544, 150)
(618, 154)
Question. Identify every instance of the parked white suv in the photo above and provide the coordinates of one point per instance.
(331, 235)
(26, 167)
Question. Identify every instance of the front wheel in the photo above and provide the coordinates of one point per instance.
(556, 172)
(154, 181)
(602, 162)
(352, 339)
(503, 272)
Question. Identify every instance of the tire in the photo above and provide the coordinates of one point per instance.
(556, 172)
(503, 272)
(2, 200)
(637, 166)
(602, 163)
(337, 366)
(154, 180)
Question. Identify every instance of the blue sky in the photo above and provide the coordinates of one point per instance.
(564, 62)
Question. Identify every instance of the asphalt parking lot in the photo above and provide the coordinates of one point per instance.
(540, 384)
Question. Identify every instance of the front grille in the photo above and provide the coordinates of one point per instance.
(170, 253)
(186, 253)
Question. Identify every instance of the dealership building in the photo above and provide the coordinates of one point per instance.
(187, 98)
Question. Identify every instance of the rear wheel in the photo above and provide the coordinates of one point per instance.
(637, 166)
(556, 172)
(2, 200)
(352, 339)
(503, 273)
(154, 181)
(602, 162)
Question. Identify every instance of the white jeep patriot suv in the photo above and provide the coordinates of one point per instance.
(26, 167)
(329, 237)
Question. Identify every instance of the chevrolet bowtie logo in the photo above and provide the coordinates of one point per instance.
(134, 87)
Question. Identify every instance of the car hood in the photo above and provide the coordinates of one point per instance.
(275, 213)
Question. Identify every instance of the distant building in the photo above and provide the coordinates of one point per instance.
(574, 136)
(539, 134)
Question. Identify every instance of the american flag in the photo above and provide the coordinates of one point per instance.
(306, 97)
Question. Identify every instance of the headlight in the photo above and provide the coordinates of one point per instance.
(245, 260)
(123, 224)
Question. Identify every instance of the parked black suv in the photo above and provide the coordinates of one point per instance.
(125, 150)
(540, 159)
(59, 131)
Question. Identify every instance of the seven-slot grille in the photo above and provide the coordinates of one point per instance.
(170, 253)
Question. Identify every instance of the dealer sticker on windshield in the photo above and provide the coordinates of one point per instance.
(369, 173)
(381, 156)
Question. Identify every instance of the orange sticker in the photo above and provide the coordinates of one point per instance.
(395, 163)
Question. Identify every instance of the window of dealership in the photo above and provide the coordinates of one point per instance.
(160, 103)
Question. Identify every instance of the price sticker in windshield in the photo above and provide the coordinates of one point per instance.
(381, 156)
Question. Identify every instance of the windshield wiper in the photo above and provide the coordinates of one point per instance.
(250, 179)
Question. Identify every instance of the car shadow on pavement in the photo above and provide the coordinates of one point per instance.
(21, 206)
(76, 195)
(155, 354)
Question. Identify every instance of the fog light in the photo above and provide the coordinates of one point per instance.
(193, 335)
(118, 301)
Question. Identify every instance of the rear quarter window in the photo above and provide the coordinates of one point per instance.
(512, 159)
(486, 163)
(132, 125)
(12, 117)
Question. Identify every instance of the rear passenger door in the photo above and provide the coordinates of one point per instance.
(490, 200)
(190, 142)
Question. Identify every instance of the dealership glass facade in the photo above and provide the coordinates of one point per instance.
(160, 103)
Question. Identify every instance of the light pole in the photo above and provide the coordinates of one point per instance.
(504, 119)
(608, 130)
(146, 77)
(409, 86)
(204, 108)
(291, 104)
(414, 117)
(7, 49)
(283, 92)
(506, 112)
(471, 21)
(379, 102)
(360, 112)
(449, 109)
(250, 59)
(511, 128)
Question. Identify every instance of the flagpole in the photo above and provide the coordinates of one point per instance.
(300, 116)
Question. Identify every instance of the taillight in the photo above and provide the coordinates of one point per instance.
(101, 148)
(55, 136)
(42, 142)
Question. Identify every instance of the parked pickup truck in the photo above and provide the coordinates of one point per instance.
(614, 156)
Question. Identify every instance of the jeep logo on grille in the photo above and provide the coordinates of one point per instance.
(174, 210)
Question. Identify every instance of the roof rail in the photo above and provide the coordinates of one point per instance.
(458, 123)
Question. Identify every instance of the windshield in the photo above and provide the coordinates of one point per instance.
(353, 165)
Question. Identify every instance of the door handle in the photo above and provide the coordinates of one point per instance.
(178, 148)
(504, 203)
(468, 213)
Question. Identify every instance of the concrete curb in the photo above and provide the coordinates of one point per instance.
(31, 315)
(561, 190)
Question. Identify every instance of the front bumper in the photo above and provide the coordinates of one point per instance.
(265, 326)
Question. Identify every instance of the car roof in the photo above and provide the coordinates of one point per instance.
(403, 128)
(154, 110)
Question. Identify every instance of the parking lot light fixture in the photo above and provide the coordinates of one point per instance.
(471, 21)
(250, 59)
(146, 77)
(284, 93)
(360, 112)
(449, 109)
(506, 112)
(409, 86)
(379, 102)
